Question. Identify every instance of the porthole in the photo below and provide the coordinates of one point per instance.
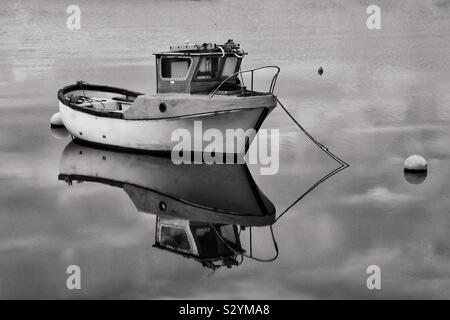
(162, 206)
(162, 107)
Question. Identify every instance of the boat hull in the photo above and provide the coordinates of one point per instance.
(165, 134)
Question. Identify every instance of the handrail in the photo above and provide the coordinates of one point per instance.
(272, 83)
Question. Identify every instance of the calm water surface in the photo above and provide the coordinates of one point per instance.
(384, 95)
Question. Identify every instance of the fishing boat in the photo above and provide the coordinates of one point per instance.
(194, 84)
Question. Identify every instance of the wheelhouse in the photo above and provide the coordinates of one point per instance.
(213, 245)
(197, 69)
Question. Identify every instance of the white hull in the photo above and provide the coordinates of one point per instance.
(156, 134)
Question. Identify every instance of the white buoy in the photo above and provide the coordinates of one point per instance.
(415, 163)
(55, 121)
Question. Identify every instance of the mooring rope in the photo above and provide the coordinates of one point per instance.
(320, 145)
(343, 164)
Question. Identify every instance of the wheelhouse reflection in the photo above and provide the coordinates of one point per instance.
(213, 245)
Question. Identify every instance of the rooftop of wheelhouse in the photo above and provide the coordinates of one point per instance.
(198, 69)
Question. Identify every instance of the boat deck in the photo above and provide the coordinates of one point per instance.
(158, 106)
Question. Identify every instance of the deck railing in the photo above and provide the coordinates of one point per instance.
(252, 71)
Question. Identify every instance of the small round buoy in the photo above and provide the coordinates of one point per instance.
(415, 163)
(320, 71)
(59, 132)
(56, 121)
(415, 169)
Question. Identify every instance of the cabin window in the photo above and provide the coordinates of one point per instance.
(208, 67)
(228, 233)
(229, 66)
(175, 238)
(209, 243)
(175, 68)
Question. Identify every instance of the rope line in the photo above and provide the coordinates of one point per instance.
(343, 164)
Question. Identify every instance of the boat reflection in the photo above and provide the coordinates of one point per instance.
(201, 210)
